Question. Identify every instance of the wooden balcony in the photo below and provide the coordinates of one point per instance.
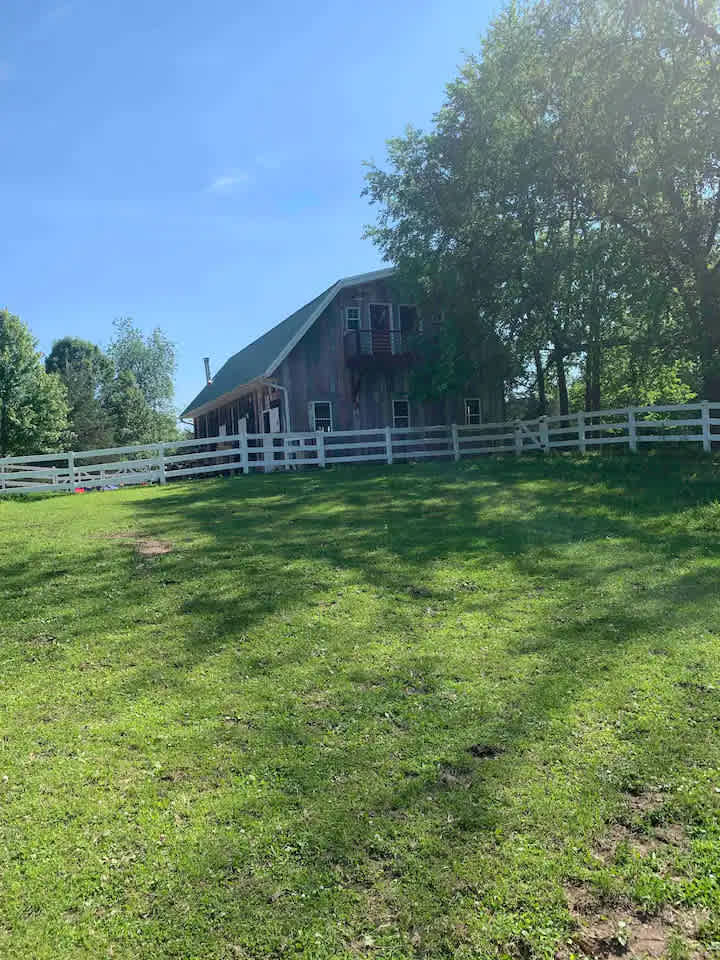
(373, 348)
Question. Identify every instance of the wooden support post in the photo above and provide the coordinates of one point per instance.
(268, 465)
(544, 435)
(706, 435)
(71, 470)
(518, 438)
(388, 444)
(581, 432)
(244, 458)
(321, 448)
(161, 463)
(455, 442)
(632, 430)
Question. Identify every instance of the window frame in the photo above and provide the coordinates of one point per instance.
(395, 416)
(314, 418)
(347, 318)
(468, 415)
(381, 303)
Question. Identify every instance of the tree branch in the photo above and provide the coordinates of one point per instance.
(702, 28)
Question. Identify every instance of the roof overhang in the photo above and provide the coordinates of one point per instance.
(224, 398)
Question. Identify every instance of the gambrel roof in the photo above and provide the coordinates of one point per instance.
(264, 355)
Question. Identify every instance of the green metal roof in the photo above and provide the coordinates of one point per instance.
(263, 355)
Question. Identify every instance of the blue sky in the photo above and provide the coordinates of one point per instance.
(198, 166)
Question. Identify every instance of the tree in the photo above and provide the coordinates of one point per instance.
(570, 189)
(152, 363)
(128, 411)
(644, 92)
(85, 371)
(33, 403)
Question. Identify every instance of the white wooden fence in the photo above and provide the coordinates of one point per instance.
(248, 453)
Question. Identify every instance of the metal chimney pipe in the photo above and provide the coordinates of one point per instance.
(206, 361)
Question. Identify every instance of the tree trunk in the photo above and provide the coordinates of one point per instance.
(562, 383)
(592, 374)
(540, 374)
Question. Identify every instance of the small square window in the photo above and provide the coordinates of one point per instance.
(352, 318)
(472, 411)
(401, 414)
(321, 416)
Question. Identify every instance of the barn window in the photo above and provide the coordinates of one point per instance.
(321, 415)
(352, 318)
(472, 410)
(401, 413)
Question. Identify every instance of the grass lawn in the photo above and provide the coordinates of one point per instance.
(426, 711)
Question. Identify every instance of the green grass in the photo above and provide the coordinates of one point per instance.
(258, 744)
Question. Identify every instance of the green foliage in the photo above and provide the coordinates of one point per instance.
(567, 199)
(86, 372)
(640, 380)
(128, 411)
(152, 363)
(122, 397)
(276, 740)
(33, 403)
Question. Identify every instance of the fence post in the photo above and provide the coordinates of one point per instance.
(161, 463)
(71, 470)
(267, 449)
(544, 435)
(321, 448)
(244, 458)
(388, 444)
(518, 438)
(707, 439)
(632, 429)
(455, 442)
(581, 432)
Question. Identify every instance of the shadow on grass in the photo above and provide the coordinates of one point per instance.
(374, 626)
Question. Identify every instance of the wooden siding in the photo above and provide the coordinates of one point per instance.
(317, 370)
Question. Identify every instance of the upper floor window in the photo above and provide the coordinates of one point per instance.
(380, 314)
(401, 413)
(352, 318)
(321, 415)
(408, 317)
(472, 410)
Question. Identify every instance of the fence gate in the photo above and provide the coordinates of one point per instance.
(534, 437)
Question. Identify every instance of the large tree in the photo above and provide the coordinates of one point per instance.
(152, 363)
(639, 81)
(86, 372)
(33, 403)
(569, 188)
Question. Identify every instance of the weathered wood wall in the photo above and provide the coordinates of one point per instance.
(317, 370)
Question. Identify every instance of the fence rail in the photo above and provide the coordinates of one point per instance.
(265, 452)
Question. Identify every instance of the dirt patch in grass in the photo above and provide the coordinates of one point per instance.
(143, 547)
(618, 930)
(152, 548)
(646, 802)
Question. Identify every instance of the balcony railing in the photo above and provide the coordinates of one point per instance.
(369, 343)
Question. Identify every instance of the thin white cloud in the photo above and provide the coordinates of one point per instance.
(228, 181)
